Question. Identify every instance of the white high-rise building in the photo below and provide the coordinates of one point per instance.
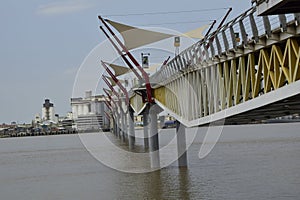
(48, 113)
(37, 119)
(89, 112)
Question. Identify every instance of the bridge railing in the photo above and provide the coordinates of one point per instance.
(240, 33)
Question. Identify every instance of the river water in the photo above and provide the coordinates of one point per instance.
(248, 162)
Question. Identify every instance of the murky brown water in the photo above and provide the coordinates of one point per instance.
(249, 162)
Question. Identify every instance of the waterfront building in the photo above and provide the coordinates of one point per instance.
(89, 112)
(48, 113)
(66, 122)
(37, 119)
(69, 115)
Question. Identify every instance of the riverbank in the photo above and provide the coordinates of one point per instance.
(32, 134)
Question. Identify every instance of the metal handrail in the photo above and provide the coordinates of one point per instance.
(250, 28)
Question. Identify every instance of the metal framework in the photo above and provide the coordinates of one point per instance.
(116, 80)
(131, 57)
(202, 92)
(207, 79)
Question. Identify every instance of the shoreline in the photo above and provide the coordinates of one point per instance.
(19, 135)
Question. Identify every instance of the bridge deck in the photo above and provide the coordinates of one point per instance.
(247, 71)
(275, 7)
(280, 108)
(281, 102)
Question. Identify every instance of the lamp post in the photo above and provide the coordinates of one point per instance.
(145, 59)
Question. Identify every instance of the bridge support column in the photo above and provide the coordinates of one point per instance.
(145, 126)
(131, 132)
(161, 121)
(113, 127)
(154, 141)
(181, 144)
(118, 129)
(123, 126)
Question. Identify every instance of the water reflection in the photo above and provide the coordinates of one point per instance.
(168, 183)
(184, 183)
(246, 159)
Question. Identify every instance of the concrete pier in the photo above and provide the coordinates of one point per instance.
(123, 126)
(181, 144)
(154, 140)
(131, 132)
(113, 126)
(146, 127)
(118, 129)
(161, 121)
(117, 126)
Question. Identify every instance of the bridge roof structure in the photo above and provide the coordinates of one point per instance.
(275, 7)
(208, 76)
(246, 71)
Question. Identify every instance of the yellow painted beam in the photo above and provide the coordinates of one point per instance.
(160, 94)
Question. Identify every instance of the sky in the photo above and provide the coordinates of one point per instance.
(43, 43)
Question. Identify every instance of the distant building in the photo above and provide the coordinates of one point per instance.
(89, 112)
(37, 119)
(69, 115)
(48, 113)
(66, 122)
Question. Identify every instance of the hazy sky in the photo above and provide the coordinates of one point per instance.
(43, 43)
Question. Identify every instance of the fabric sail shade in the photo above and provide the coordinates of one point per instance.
(119, 70)
(112, 82)
(197, 33)
(152, 68)
(135, 37)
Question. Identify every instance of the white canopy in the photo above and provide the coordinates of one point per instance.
(197, 33)
(152, 68)
(135, 37)
(112, 82)
(119, 70)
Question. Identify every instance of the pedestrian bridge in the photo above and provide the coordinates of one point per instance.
(246, 71)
